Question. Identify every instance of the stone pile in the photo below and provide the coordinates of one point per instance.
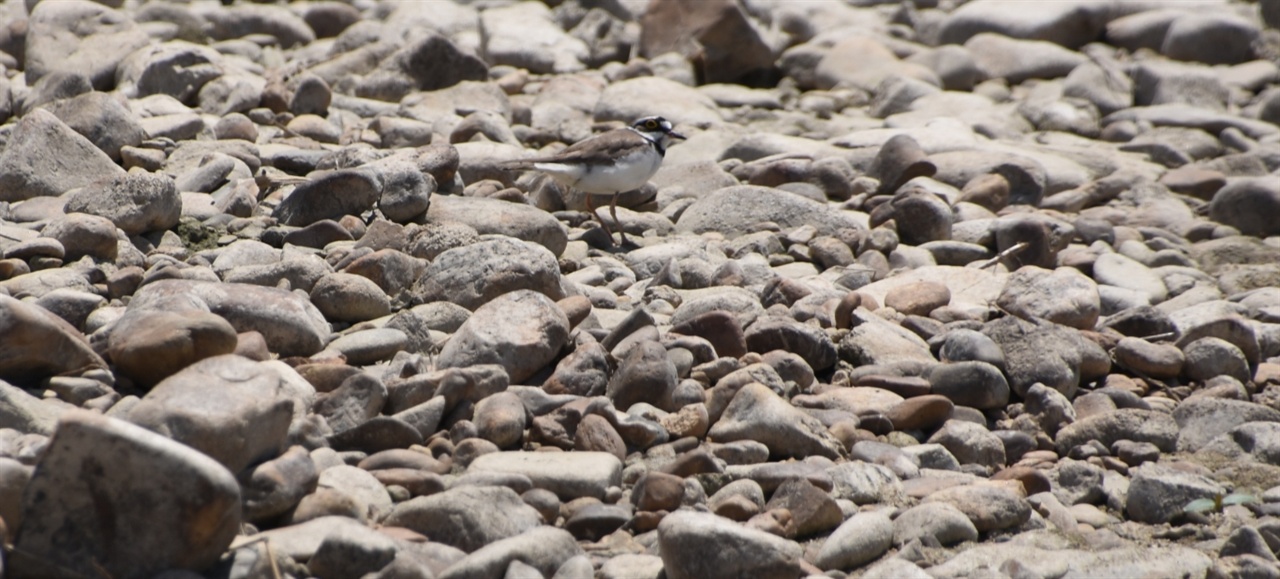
(929, 291)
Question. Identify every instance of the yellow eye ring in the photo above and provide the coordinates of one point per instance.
(651, 125)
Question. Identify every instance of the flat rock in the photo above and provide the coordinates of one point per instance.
(569, 475)
(939, 520)
(467, 517)
(1158, 492)
(486, 215)
(734, 211)
(290, 323)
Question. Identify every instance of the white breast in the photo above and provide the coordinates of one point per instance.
(629, 173)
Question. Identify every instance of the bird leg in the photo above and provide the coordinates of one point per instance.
(613, 211)
(591, 209)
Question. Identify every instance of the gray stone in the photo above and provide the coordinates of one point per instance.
(82, 37)
(569, 475)
(111, 497)
(486, 215)
(545, 549)
(291, 325)
(1201, 419)
(941, 521)
(467, 517)
(473, 274)
(988, 506)
(975, 384)
(522, 331)
(1063, 296)
(757, 413)
(53, 159)
(1133, 424)
(1158, 492)
(229, 407)
(970, 443)
(688, 543)
(860, 539)
(135, 203)
(330, 196)
(348, 552)
(735, 211)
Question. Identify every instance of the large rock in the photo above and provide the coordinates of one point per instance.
(429, 63)
(862, 538)
(52, 160)
(231, 408)
(135, 203)
(226, 22)
(466, 517)
(488, 215)
(631, 99)
(474, 274)
(291, 325)
(522, 331)
(108, 497)
(150, 345)
(692, 546)
(543, 549)
(26, 413)
(1247, 205)
(1202, 419)
(1043, 352)
(729, 48)
(36, 344)
(1158, 492)
(1062, 296)
(526, 35)
(1070, 24)
(331, 196)
(81, 37)
(735, 211)
(757, 413)
(1151, 426)
(103, 118)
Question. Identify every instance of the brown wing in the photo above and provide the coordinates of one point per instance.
(602, 149)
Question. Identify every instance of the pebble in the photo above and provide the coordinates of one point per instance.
(947, 299)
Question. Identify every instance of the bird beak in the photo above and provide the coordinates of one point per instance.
(676, 135)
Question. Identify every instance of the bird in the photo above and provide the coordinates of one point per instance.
(610, 163)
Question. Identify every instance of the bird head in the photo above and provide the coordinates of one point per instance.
(656, 129)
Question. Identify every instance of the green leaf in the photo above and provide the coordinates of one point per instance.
(1239, 499)
(1200, 506)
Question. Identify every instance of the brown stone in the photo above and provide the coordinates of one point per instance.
(918, 298)
(718, 327)
(1033, 480)
(691, 420)
(657, 491)
(737, 508)
(921, 413)
(594, 433)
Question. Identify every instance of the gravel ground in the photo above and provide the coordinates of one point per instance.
(932, 289)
